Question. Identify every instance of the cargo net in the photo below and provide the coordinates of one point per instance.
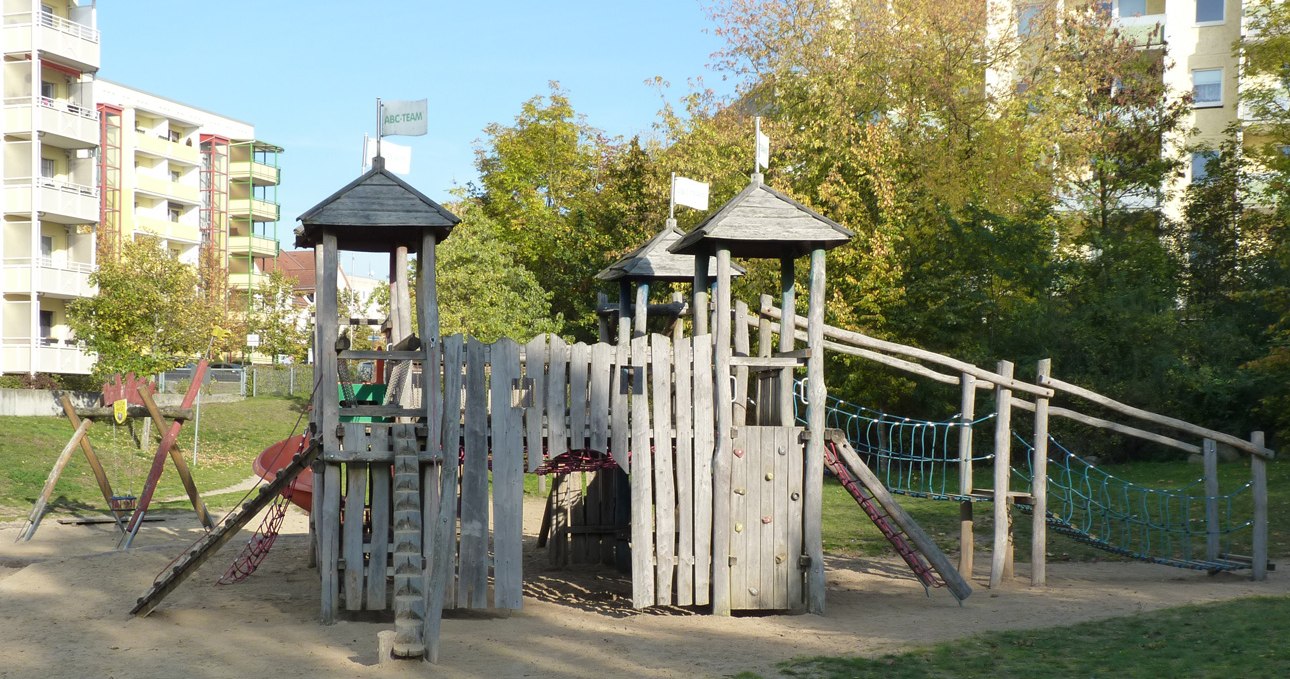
(261, 541)
(585, 460)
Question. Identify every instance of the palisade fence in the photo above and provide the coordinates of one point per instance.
(258, 380)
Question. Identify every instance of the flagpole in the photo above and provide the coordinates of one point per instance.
(379, 128)
(756, 141)
(671, 200)
(362, 167)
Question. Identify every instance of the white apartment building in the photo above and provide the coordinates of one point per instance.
(50, 201)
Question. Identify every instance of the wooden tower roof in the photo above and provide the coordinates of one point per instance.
(653, 262)
(375, 213)
(763, 222)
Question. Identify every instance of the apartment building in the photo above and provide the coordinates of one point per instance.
(50, 201)
(199, 182)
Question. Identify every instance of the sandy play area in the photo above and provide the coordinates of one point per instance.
(65, 597)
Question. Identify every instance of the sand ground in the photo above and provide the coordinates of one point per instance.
(65, 598)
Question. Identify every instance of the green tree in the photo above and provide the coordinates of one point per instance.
(148, 316)
(276, 319)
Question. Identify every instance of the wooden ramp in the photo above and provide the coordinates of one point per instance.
(211, 542)
(911, 542)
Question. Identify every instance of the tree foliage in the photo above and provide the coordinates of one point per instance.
(148, 316)
(275, 318)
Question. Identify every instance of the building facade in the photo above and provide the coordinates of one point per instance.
(50, 199)
(88, 163)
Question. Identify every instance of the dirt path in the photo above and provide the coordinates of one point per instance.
(64, 599)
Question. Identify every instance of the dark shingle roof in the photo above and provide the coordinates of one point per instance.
(763, 222)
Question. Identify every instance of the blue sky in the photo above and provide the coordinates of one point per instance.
(307, 74)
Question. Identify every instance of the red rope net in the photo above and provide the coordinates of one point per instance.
(577, 461)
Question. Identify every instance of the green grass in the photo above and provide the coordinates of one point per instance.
(230, 436)
(1242, 638)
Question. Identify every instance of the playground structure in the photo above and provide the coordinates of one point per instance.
(724, 449)
(124, 399)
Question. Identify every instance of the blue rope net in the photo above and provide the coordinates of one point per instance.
(920, 458)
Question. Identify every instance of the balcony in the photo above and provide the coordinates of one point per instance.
(73, 43)
(58, 201)
(260, 174)
(255, 246)
(244, 280)
(48, 355)
(168, 189)
(1142, 30)
(164, 228)
(253, 209)
(66, 280)
(153, 145)
(63, 124)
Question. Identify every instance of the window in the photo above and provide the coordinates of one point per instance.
(48, 90)
(1209, 11)
(46, 326)
(174, 211)
(1207, 87)
(1026, 18)
(46, 249)
(1133, 8)
(174, 135)
(48, 168)
(1200, 161)
(174, 175)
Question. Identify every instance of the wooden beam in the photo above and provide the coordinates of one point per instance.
(1002, 476)
(176, 456)
(1196, 430)
(721, 491)
(103, 413)
(1113, 426)
(38, 509)
(1213, 527)
(813, 479)
(967, 414)
(100, 476)
(1259, 488)
(1039, 486)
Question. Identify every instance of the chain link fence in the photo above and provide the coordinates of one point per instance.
(248, 381)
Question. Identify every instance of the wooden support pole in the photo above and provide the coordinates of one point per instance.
(678, 323)
(1039, 486)
(38, 510)
(602, 323)
(967, 414)
(1259, 483)
(1213, 532)
(400, 276)
(700, 313)
(624, 313)
(721, 491)
(100, 476)
(788, 304)
(765, 394)
(813, 480)
(999, 559)
(326, 314)
(642, 309)
(177, 456)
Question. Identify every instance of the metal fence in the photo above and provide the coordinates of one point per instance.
(257, 380)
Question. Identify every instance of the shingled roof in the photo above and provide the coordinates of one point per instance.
(763, 222)
(375, 213)
(653, 262)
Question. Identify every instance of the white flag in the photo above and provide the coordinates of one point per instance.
(398, 158)
(405, 118)
(763, 150)
(690, 193)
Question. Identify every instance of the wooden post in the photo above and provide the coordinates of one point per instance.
(765, 394)
(999, 559)
(678, 324)
(38, 510)
(742, 348)
(642, 309)
(326, 316)
(813, 485)
(602, 322)
(721, 518)
(624, 313)
(1213, 532)
(699, 314)
(787, 330)
(1259, 482)
(100, 476)
(1039, 485)
(400, 277)
(967, 387)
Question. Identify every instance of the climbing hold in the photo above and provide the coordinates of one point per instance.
(752, 591)
(739, 452)
(795, 497)
(770, 476)
(766, 520)
(739, 527)
(740, 491)
(781, 451)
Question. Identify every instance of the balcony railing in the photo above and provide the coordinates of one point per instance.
(72, 28)
(245, 281)
(260, 174)
(1144, 29)
(44, 354)
(61, 201)
(160, 146)
(256, 209)
(256, 246)
(168, 189)
(53, 277)
(164, 228)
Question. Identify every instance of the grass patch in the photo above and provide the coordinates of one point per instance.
(230, 436)
(1240, 638)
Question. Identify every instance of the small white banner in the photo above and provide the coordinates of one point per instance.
(398, 158)
(763, 150)
(404, 118)
(690, 193)
(253, 340)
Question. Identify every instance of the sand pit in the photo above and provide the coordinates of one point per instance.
(65, 598)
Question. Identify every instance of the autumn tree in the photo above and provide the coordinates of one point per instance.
(275, 318)
(149, 315)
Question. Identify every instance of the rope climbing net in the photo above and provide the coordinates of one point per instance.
(1179, 526)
